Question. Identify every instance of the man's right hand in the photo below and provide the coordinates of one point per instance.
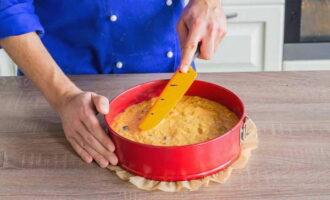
(77, 109)
(84, 131)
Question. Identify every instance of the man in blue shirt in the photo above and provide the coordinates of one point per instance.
(102, 37)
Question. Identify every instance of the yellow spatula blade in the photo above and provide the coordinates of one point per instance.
(170, 96)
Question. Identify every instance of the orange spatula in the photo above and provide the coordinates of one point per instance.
(169, 97)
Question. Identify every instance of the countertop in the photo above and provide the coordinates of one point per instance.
(291, 110)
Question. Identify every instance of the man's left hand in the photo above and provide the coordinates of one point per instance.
(202, 22)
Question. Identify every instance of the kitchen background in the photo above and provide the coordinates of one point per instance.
(265, 35)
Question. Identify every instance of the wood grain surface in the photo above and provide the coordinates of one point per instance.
(291, 110)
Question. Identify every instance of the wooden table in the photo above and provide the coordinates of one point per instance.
(291, 110)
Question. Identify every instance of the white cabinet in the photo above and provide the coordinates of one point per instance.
(7, 67)
(254, 41)
(241, 50)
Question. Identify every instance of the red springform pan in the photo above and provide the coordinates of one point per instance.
(177, 163)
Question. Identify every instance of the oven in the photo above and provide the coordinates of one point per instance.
(307, 30)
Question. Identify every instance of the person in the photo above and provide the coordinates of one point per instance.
(49, 39)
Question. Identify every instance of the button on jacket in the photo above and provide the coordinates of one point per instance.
(100, 36)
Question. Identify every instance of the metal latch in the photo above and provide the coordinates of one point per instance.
(243, 131)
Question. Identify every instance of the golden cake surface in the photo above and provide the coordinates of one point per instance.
(193, 120)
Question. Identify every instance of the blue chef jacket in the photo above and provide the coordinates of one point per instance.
(100, 36)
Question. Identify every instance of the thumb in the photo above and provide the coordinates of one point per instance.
(101, 103)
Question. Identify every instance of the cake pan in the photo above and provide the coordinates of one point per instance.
(177, 163)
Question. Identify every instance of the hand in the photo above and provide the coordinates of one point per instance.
(202, 22)
(76, 108)
(84, 131)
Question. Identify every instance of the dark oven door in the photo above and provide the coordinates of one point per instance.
(307, 30)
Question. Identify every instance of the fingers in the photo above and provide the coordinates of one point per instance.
(189, 48)
(203, 24)
(100, 159)
(95, 147)
(84, 131)
(94, 127)
(91, 130)
(101, 103)
(221, 32)
(81, 152)
(217, 42)
(82, 146)
(93, 124)
(208, 44)
(182, 32)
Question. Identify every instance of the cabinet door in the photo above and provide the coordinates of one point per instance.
(254, 41)
(7, 67)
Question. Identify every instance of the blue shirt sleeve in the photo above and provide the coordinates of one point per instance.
(18, 17)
